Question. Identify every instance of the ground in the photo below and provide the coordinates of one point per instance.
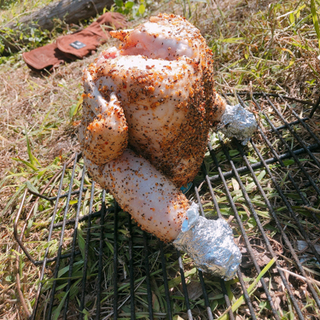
(270, 46)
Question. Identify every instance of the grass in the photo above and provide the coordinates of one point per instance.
(271, 46)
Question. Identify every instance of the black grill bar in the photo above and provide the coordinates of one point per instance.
(216, 206)
(300, 121)
(82, 218)
(244, 235)
(279, 159)
(146, 265)
(55, 198)
(105, 292)
(101, 245)
(54, 284)
(289, 127)
(298, 190)
(245, 293)
(73, 245)
(282, 165)
(85, 266)
(315, 107)
(49, 237)
(115, 263)
(287, 241)
(165, 281)
(258, 165)
(265, 238)
(62, 256)
(184, 288)
(205, 295)
(276, 95)
(223, 286)
(132, 297)
(297, 161)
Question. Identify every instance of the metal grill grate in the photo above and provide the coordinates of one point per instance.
(98, 264)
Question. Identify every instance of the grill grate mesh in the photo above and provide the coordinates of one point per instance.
(98, 264)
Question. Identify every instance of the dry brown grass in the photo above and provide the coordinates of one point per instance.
(39, 107)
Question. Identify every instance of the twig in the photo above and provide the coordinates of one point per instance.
(309, 280)
(5, 289)
(21, 297)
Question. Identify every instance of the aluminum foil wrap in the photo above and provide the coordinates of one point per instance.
(209, 243)
(237, 122)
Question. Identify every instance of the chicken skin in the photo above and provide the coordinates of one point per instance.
(162, 76)
(147, 110)
(152, 199)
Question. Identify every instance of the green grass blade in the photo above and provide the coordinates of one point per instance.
(57, 311)
(28, 164)
(75, 107)
(251, 289)
(315, 20)
(33, 160)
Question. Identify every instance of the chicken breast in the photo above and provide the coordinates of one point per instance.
(162, 77)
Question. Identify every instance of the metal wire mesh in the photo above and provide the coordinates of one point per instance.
(98, 264)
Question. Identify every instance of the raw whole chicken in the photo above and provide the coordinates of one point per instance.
(147, 110)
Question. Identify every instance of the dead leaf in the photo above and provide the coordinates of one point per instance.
(194, 290)
(276, 302)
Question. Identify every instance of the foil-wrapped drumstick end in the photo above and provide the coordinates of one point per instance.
(209, 243)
